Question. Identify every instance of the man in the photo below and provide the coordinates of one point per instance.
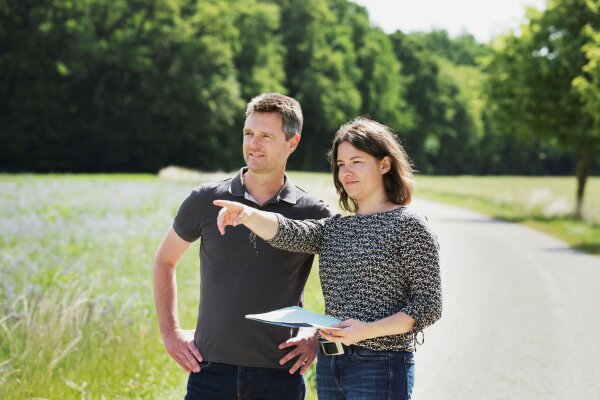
(227, 355)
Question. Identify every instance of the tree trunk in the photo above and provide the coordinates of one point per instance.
(583, 170)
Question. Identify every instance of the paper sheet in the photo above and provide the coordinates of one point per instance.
(295, 317)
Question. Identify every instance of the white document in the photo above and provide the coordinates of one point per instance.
(296, 317)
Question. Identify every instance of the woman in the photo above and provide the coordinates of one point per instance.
(379, 268)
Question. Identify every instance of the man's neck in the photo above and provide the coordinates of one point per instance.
(263, 186)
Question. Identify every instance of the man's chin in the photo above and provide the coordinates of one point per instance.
(257, 169)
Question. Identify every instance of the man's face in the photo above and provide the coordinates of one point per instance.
(265, 146)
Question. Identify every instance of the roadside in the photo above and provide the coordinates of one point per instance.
(541, 203)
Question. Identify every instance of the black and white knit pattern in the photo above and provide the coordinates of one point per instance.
(372, 266)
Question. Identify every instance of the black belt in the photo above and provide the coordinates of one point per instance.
(331, 348)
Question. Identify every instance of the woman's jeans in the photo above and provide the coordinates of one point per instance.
(363, 374)
(224, 381)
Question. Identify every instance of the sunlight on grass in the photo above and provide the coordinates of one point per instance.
(76, 266)
(543, 203)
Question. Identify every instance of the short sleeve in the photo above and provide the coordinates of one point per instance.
(189, 217)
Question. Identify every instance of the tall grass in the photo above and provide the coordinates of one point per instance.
(78, 317)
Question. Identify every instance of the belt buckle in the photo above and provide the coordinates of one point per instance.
(330, 348)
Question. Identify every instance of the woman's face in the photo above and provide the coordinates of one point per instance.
(360, 173)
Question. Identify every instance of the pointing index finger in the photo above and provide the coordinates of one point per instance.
(221, 203)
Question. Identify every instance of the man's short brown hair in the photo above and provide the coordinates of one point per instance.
(287, 107)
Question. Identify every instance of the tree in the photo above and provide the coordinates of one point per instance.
(259, 53)
(382, 86)
(539, 80)
(379, 78)
(588, 86)
(444, 130)
(461, 50)
(123, 85)
(321, 73)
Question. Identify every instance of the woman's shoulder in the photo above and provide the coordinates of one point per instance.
(414, 224)
(409, 215)
(411, 219)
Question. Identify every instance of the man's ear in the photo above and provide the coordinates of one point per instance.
(293, 142)
(386, 165)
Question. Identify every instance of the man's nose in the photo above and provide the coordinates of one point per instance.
(255, 141)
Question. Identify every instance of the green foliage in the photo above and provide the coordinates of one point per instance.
(259, 52)
(115, 82)
(587, 84)
(382, 85)
(78, 317)
(531, 75)
(133, 86)
(539, 80)
(445, 126)
(321, 74)
(461, 50)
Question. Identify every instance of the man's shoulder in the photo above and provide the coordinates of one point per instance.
(212, 190)
(311, 203)
(306, 197)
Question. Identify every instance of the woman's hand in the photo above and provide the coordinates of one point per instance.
(232, 214)
(353, 332)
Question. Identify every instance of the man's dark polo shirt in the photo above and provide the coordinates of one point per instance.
(241, 274)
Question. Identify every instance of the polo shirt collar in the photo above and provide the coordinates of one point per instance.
(287, 192)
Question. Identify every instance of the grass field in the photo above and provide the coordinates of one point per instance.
(543, 203)
(78, 318)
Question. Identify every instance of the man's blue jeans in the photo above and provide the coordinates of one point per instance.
(363, 374)
(231, 382)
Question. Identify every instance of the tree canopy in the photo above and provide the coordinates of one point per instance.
(542, 81)
(94, 85)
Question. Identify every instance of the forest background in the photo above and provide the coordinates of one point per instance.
(133, 86)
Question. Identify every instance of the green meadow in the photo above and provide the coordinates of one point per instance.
(78, 319)
(543, 203)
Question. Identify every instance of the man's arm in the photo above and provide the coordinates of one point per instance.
(178, 342)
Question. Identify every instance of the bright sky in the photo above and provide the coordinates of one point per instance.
(484, 19)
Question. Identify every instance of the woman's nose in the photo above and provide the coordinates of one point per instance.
(344, 170)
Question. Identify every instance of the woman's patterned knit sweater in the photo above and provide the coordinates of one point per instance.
(372, 266)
